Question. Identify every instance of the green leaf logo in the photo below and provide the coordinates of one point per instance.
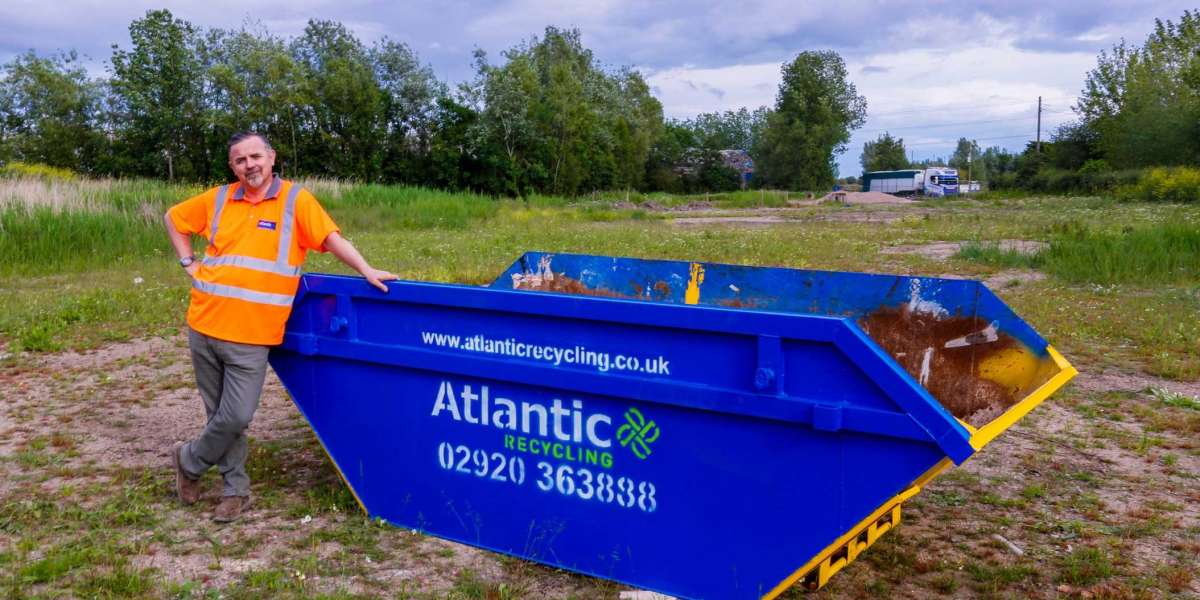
(637, 434)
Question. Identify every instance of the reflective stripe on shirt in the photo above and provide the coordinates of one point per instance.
(280, 266)
(220, 205)
(255, 264)
(229, 291)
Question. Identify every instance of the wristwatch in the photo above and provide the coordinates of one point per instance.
(187, 261)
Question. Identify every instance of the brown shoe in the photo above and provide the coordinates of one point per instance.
(187, 488)
(231, 508)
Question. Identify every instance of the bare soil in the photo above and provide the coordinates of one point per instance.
(113, 413)
(866, 198)
(944, 250)
(918, 341)
(119, 408)
(731, 220)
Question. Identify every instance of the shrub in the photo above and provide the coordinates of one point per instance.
(1180, 184)
(38, 171)
(1092, 178)
(1095, 166)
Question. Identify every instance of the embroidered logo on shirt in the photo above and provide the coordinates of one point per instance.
(265, 224)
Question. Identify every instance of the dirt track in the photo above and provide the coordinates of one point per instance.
(109, 416)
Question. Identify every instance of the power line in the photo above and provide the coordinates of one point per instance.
(934, 125)
(936, 108)
(985, 139)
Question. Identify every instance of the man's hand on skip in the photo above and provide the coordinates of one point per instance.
(192, 268)
(376, 278)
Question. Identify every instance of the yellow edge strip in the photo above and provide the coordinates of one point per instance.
(338, 468)
(987, 433)
(846, 537)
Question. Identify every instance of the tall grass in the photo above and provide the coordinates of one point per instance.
(1163, 253)
(991, 253)
(1160, 253)
(51, 224)
(404, 207)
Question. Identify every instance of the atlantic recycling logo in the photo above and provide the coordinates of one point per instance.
(637, 433)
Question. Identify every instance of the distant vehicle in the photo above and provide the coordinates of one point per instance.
(941, 181)
(934, 181)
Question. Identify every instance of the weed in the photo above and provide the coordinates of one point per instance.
(992, 577)
(1085, 566)
(1169, 398)
(948, 497)
(990, 253)
(945, 583)
(1161, 253)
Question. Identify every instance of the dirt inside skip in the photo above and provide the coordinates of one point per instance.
(563, 285)
(918, 340)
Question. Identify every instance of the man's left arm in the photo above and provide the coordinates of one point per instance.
(347, 253)
(318, 232)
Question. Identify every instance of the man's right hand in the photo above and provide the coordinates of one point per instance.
(192, 268)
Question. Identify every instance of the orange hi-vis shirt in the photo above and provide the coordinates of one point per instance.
(247, 280)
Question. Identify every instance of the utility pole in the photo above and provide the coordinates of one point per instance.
(970, 153)
(1039, 126)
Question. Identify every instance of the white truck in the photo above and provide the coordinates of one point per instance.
(933, 182)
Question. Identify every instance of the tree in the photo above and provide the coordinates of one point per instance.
(341, 103)
(884, 154)
(552, 120)
(730, 129)
(1143, 102)
(50, 112)
(965, 156)
(815, 110)
(1073, 144)
(409, 110)
(159, 84)
(254, 84)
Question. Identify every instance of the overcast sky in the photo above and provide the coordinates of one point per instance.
(931, 71)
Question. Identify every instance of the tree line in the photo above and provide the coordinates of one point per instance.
(1139, 108)
(547, 118)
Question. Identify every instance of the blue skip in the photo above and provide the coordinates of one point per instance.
(702, 430)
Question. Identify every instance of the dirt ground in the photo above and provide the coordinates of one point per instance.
(1095, 494)
(866, 198)
(944, 250)
(119, 408)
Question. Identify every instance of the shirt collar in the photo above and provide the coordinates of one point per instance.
(272, 192)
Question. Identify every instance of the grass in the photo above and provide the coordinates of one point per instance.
(1057, 511)
(991, 253)
(1160, 253)
(1165, 253)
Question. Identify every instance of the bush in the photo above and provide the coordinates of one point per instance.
(1180, 184)
(1095, 166)
(1092, 178)
(38, 171)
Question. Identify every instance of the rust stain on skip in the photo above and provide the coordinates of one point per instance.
(943, 353)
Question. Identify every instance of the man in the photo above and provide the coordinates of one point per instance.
(258, 232)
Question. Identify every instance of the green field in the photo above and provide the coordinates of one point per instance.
(1100, 487)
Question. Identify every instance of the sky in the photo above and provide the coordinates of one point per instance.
(931, 71)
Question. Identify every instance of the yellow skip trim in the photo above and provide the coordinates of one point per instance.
(869, 525)
(692, 295)
(933, 471)
(338, 467)
(988, 432)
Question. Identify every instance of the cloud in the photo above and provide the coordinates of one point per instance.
(909, 57)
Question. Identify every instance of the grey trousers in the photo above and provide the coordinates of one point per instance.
(230, 377)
